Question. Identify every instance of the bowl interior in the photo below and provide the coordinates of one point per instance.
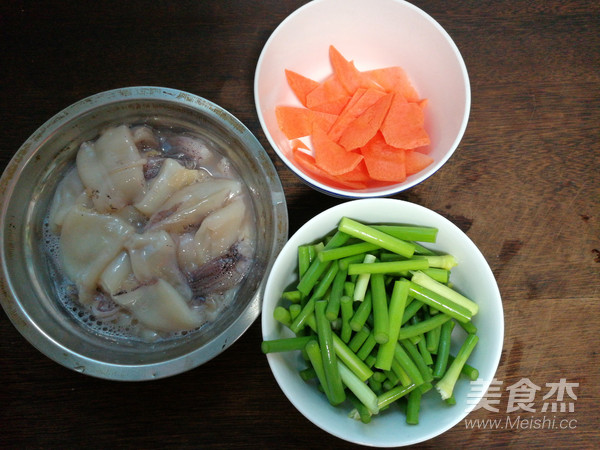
(374, 34)
(472, 277)
(28, 185)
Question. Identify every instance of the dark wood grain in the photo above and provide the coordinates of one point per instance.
(523, 184)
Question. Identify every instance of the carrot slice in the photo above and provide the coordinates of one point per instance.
(294, 122)
(403, 126)
(416, 161)
(357, 178)
(355, 98)
(297, 122)
(329, 97)
(307, 163)
(384, 162)
(344, 115)
(330, 156)
(360, 102)
(322, 120)
(298, 144)
(358, 174)
(363, 128)
(300, 85)
(350, 77)
(394, 79)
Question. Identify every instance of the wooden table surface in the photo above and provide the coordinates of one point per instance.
(523, 185)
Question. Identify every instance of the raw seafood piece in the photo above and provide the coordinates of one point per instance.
(111, 169)
(118, 275)
(132, 216)
(153, 255)
(144, 138)
(190, 205)
(171, 177)
(160, 307)
(223, 272)
(89, 242)
(220, 253)
(187, 252)
(67, 194)
(192, 152)
(220, 230)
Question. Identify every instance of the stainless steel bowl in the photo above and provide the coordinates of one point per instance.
(27, 292)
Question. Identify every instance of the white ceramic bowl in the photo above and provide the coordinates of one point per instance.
(472, 276)
(374, 34)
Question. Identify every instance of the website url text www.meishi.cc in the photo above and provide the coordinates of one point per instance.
(523, 423)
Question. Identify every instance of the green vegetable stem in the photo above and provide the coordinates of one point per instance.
(385, 354)
(409, 233)
(285, 344)
(377, 237)
(443, 349)
(446, 385)
(373, 313)
(330, 365)
(381, 320)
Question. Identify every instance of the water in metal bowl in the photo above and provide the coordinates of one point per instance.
(27, 290)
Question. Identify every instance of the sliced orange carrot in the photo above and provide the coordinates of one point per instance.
(356, 178)
(332, 157)
(384, 162)
(297, 122)
(403, 126)
(298, 144)
(324, 121)
(294, 122)
(416, 161)
(425, 148)
(363, 128)
(358, 174)
(360, 102)
(329, 97)
(307, 163)
(366, 128)
(350, 77)
(355, 98)
(345, 114)
(300, 85)
(394, 79)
